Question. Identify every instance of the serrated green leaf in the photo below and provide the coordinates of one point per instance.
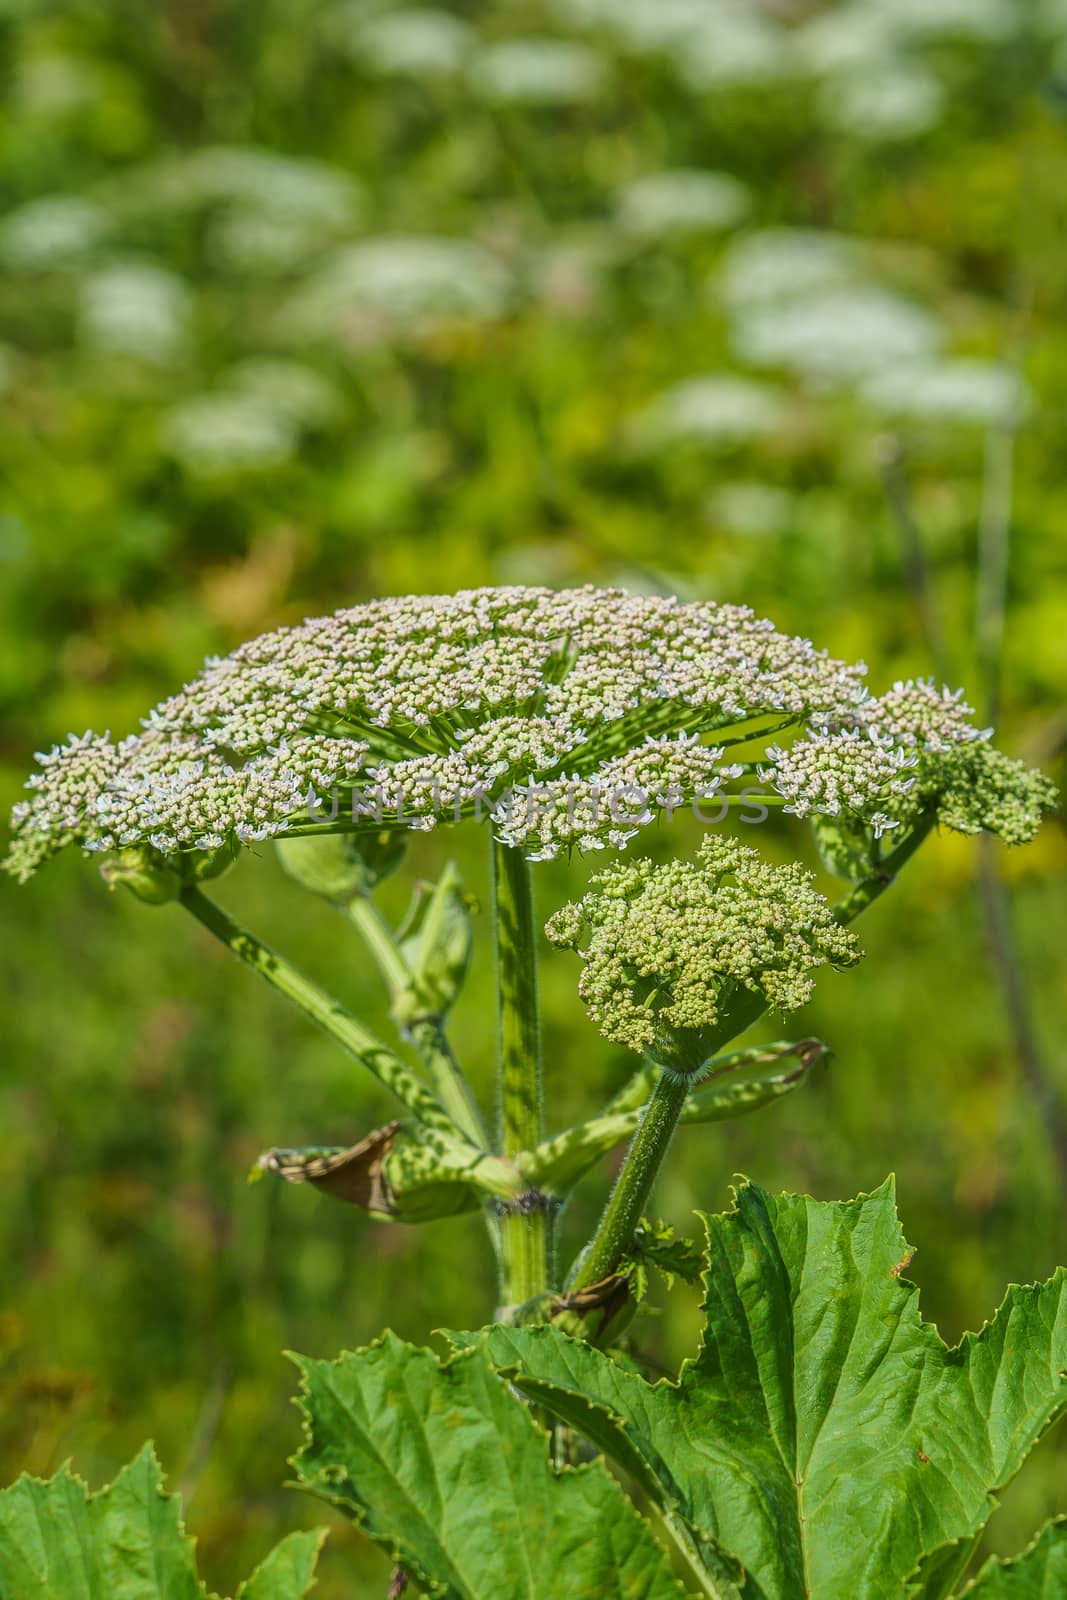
(127, 1542)
(824, 1435)
(439, 1464)
(1040, 1573)
(289, 1570)
(939, 1570)
(654, 1245)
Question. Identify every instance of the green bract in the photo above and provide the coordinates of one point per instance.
(341, 866)
(667, 949)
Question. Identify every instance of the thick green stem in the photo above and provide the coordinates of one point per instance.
(426, 1031)
(718, 1094)
(323, 1009)
(525, 1230)
(630, 1194)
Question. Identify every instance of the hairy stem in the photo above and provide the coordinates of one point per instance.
(563, 1159)
(428, 1036)
(426, 1031)
(630, 1194)
(524, 1232)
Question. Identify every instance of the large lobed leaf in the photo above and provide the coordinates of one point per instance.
(825, 1436)
(59, 1542)
(825, 1444)
(441, 1465)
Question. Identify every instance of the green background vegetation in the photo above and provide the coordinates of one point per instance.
(163, 500)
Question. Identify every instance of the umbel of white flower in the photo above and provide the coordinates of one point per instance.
(668, 950)
(566, 719)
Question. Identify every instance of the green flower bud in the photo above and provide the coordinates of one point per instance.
(199, 868)
(147, 874)
(979, 789)
(341, 865)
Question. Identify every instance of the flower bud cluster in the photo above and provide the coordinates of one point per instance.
(175, 794)
(978, 789)
(913, 748)
(667, 948)
(831, 772)
(915, 711)
(606, 809)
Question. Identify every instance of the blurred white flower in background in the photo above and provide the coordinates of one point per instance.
(52, 85)
(419, 43)
(257, 244)
(734, 46)
(977, 19)
(642, 24)
(134, 308)
(836, 336)
(536, 71)
(807, 301)
(719, 409)
(249, 176)
(397, 282)
(254, 420)
(567, 271)
(290, 388)
(849, 38)
(884, 102)
(775, 263)
(758, 510)
(686, 200)
(53, 232)
(712, 43)
(217, 434)
(960, 390)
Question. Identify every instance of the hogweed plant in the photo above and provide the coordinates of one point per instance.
(824, 1442)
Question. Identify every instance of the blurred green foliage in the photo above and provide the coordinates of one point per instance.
(307, 302)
